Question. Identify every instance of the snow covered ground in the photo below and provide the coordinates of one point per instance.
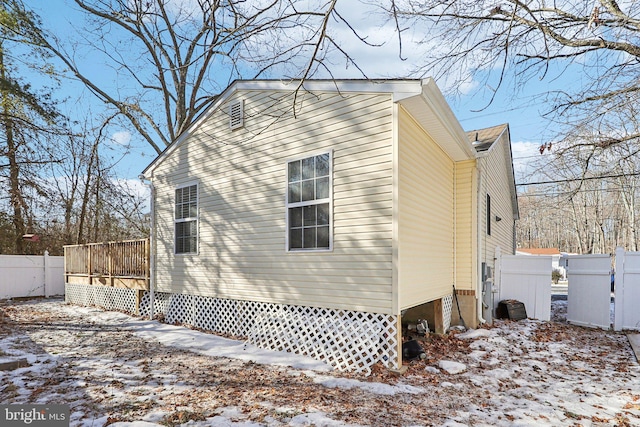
(112, 369)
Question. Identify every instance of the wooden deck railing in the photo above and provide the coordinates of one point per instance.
(119, 264)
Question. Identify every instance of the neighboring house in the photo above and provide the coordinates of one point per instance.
(563, 262)
(559, 260)
(314, 218)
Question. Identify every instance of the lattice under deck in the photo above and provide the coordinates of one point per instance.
(109, 298)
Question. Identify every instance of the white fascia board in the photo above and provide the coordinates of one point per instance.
(184, 135)
(508, 160)
(493, 144)
(226, 94)
(432, 112)
(399, 89)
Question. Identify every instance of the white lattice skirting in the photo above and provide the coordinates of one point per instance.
(346, 340)
(109, 298)
(447, 306)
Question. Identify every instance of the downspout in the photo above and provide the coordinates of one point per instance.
(480, 237)
(455, 227)
(152, 232)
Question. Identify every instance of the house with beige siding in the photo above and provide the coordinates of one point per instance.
(497, 204)
(317, 217)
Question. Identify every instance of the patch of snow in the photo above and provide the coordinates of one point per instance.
(526, 373)
(452, 367)
(208, 344)
(472, 334)
(318, 419)
(432, 370)
(371, 387)
(454, 424)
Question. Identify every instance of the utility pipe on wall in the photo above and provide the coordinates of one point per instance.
(152, 232)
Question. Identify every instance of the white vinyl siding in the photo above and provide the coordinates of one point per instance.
(466, 225)
(242, 221)
(426, 216)
(495, 183)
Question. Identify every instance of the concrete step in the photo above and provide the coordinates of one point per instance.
(11, 364)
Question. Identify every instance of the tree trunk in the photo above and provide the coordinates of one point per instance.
(15, 194)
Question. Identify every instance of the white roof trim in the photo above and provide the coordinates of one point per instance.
(432, 112)
(493, 144)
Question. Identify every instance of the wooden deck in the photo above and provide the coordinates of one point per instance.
(118, 264)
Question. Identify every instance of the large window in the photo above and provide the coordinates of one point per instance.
(309, 203)
(186, 220)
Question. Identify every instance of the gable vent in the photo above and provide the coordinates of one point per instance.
(236, 115)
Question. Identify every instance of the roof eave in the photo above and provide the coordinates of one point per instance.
(431, 110)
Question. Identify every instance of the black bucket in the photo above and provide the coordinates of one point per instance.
(412, 350)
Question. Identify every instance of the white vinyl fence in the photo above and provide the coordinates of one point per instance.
(31, 276)
(627, 290)
(526, 279)
(589, 295)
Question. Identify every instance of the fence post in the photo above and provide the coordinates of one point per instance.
(47, 274)
(89, 267)
(618, 305)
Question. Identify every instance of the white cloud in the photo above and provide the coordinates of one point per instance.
(121, 138)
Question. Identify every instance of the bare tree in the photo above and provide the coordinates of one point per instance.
(26, 117)
(176, 56)
(587, 200)
(493, 42)
(58, 184)
(85, 195)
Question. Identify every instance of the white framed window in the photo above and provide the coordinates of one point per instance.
(186, 219)
(309, 203)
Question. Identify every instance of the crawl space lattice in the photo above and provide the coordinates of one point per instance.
(347, 340)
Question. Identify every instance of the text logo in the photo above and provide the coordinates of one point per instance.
(34, 415)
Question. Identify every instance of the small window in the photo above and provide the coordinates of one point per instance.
(186, 220)
(309, 203)
(488, 215)
(236, 115)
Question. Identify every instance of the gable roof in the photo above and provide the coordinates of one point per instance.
(421, 98)
(484, 140)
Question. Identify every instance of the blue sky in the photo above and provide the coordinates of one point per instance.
(522, 111)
